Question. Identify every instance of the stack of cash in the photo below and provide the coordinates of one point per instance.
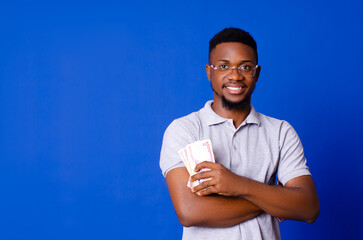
(195, 153)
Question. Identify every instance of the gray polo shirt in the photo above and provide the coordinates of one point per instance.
(260, 148)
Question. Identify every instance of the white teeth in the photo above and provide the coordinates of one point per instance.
(234, 88)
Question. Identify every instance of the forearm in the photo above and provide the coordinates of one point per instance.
(217, 211)
(293, 201)
(297, 199)
(208, 211)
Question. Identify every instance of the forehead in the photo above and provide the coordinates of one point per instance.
(233, 51)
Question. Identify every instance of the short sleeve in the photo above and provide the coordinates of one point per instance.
(292, 160)
(179, 133)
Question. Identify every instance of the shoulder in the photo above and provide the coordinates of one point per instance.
(187, 125)
(178, 134)
(279, 128)
(272, 123)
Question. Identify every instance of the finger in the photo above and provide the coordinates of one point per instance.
(203, 185)
(201, 175)
(207, 191)
(206, 164)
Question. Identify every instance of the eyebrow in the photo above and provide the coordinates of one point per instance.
(227, 61)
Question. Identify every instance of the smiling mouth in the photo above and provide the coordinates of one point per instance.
(234, 85)
(234, 88)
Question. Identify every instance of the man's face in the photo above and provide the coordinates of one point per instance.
(231, 89)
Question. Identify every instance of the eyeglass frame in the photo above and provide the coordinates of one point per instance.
(214, 67)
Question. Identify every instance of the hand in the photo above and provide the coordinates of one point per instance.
(222, 180)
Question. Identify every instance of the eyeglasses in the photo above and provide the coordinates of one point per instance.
(246, 69)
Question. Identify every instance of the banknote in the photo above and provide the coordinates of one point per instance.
(195, 153)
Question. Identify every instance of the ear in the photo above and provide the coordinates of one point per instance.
(257, 75)
(208, 70)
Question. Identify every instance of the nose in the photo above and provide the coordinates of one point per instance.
(234, 74)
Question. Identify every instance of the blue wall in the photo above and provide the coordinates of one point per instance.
(88, 88)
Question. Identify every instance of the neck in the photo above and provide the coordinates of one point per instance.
(238, 115)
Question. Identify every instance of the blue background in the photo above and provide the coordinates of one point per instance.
(88, 88)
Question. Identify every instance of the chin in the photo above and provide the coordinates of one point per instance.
(234, 105)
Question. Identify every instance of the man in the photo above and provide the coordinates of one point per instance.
(240, 200)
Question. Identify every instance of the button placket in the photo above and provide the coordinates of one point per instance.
(234, 141)
(235, 154)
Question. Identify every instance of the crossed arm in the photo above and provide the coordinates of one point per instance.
(228, 199)
(207, 211)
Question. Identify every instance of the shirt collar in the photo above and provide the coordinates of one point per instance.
(253, 117)
(209, 117)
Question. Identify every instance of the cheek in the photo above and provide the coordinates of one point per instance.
(252, 85)
(215, 87)
(216, 80)
(216, 84)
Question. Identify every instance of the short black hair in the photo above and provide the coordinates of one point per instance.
(232, 35)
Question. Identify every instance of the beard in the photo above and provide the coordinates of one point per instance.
(229, 105)
(235, 105)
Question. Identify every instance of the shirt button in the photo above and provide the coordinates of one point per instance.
(235, 148)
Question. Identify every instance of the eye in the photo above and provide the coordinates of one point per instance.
(245, 67)
(223, 67)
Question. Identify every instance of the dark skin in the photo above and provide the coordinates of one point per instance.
(228, 199)
(207, 211)
(232, 54)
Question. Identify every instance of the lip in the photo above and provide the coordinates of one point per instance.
(235, 89)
